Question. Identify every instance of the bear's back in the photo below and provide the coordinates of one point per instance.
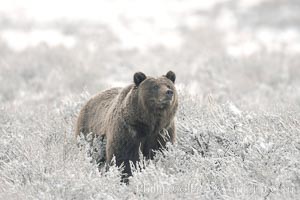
(92, 115)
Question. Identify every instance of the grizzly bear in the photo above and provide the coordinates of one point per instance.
(137, 118)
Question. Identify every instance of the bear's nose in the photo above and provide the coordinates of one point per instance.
(169, 93)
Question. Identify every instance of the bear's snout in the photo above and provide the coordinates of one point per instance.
(169, 94)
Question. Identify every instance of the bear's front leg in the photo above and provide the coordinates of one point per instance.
(159, 143)
(125, 150)
(131, 154)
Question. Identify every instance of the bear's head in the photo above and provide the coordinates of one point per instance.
(156, 93)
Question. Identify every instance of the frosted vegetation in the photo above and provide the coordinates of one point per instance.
(238, 122)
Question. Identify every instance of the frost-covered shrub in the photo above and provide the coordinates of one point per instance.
(221, 152)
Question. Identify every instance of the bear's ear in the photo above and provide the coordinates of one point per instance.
(171, 75)
(138, 78)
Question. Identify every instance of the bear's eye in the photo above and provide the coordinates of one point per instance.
(155, 87)
(168, 86)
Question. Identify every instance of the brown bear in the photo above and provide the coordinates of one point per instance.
(137, 118)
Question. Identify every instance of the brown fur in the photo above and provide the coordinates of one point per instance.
(133, 118)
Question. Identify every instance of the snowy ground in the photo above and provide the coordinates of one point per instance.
(237, 66)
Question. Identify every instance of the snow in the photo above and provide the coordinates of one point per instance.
(20, 40)
(143, 24)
